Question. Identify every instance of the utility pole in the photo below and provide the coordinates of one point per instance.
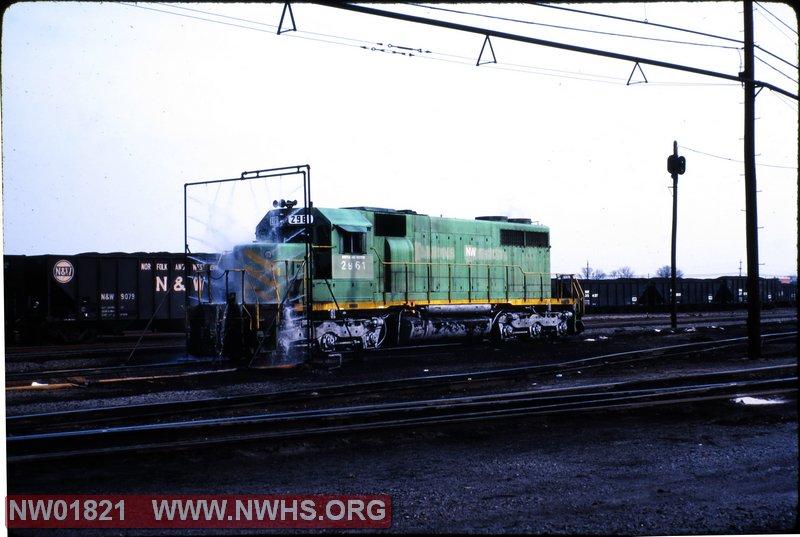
(751, 204)
(746, 77)
(675, 166)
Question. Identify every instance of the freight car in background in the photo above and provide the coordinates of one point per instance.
(693, 294)
(71, 298)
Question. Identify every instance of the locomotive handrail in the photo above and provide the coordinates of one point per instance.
(381, 264)
(576, 287)
(470, 266)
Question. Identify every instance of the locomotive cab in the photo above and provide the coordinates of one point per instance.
(338, 238)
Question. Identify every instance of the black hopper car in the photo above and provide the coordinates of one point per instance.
(693, 294)
(74, 297)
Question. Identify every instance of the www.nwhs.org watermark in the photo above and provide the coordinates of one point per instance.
(199, 511)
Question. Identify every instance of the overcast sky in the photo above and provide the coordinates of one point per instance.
(109, 108)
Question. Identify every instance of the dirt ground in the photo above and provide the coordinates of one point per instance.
(725, 469)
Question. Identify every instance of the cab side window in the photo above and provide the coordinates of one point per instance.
(352, 242)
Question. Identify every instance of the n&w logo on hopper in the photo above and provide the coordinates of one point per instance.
(63, 271)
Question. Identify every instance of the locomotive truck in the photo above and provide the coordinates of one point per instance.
(323, 281)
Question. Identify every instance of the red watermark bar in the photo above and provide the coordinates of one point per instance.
(199, 511)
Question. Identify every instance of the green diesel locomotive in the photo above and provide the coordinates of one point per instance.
(330, 280)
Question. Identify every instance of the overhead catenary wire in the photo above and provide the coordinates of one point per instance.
(182, 7)
(762, 8)
(737, 161)
(775, 69)
(542, 71)
(274, 27)
(792, 105)
(624, 19)
(268, 28)
(613, 34)
(369, 45)
(664, 26)
(241, 26)
(572, 28)
(739, 77)
(376, 47)
(787, 62)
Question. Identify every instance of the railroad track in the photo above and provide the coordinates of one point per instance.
(102, 349)
(97, 351)
(685, 320)
(681, 389)
(166, 372)
(78, 432)
(441, 384)
(86, 376)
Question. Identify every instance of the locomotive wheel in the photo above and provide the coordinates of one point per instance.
(373, 340)
(327, 341)
(506, 331)
(561, 329)
(536, 330)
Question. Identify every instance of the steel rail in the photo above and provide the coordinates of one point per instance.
(92, 352)
(629, 394)
(318, 394)
(99, 371)
(599, 320)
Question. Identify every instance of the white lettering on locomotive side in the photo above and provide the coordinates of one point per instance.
(162, 266)
(473, 253)
(356, 267)
(107, 296)
(437, 253)
(179, 266)
(443, 252)
(63, 271)
(300, 219)
(145, 266)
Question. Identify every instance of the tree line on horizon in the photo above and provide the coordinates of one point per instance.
(589, 273)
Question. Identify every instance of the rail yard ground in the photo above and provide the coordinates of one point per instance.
(718, 467)
(665, 473)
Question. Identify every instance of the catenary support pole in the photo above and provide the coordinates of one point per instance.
(751, 204)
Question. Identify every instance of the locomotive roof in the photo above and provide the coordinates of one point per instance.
(346, 218)
(382, 210)
(338, 217)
